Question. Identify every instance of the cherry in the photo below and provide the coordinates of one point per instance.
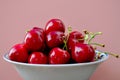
(76, 35)
(74, 38)
(54, 39)
(18, 53)
(54, 25)
(58, 56)
(34, 39)
(43, 37)
(40, 30)
(37, 58)
(82, 53)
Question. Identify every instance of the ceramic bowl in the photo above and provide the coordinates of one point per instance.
(76, 71)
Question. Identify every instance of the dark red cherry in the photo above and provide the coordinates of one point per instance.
(58, 56)
(54, 25)
(18, 53)
(40, 30)
(54, 39)
(82, 53)
(74, 38)
(34, 39)
(37, 58)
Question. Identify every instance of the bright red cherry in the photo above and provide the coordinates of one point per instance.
(40, 30)
(37, 58)
(58, 56)
(82, 53)
(54, 25)
(74, 38)
(18, 53)
(43, 36)
(54, 39)
(34, 39)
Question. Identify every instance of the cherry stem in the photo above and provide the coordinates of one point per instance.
(80, 39)
(85, 31)
(65, 38)
(93, 35)
(101, 45)
(69, 29)
(65, 42)
(27, 31)
(113, 54)
(89, 36)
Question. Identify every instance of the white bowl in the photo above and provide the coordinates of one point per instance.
(77, 71)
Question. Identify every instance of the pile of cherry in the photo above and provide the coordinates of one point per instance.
(52, 46)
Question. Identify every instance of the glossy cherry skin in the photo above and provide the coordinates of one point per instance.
(74, 38)
(37, 58)
(54, 39)
(82, 53)
(54, 25)
(43, 37)
(34, 39)
(40, 30)
(58, 56)
(18, 53)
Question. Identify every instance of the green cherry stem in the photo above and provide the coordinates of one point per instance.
(27, 31)
(65, 38)
(93, 35)
(113, 54)
(85, 31)
(69, 29)
(86, 37)
(89, 36)
(65, 42)
(101, 45)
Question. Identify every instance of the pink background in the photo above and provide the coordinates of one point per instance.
(18, 16)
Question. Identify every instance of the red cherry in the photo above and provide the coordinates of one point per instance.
(34, 39)
(58, 56)
(37, 58)
(43, 37)
(74, 38)
(54, 39)
(18, 53)
(40, 30)
(82, 53)
(54, 25)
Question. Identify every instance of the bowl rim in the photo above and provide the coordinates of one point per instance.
(5, 57)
